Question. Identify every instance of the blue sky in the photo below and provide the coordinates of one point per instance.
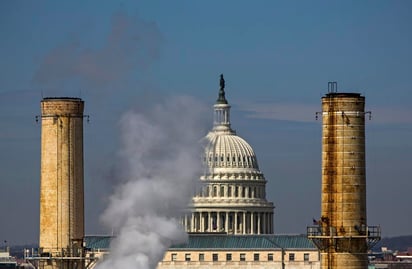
(277, 57)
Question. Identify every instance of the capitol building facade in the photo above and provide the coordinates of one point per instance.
(230, 221)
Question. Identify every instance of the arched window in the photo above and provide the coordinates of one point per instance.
(214, 191)
(229, 191)
(222, 191)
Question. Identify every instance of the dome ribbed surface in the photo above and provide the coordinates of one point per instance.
(226, 149)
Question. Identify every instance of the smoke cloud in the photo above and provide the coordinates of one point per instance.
(131, 45)
(159, 167)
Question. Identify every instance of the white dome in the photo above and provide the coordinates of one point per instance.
(227, 150)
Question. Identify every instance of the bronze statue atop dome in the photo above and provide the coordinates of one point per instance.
(222, 82)
(222, 99)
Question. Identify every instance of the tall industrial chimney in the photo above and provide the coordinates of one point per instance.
(61, 186)
(342, 234)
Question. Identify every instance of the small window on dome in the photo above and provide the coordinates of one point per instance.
(221, 158)
(214, 191)
(222, 191)
(229, 191)
(234, 159)
(228, 158)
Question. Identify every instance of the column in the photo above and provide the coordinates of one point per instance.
(202, 222)
(265, 223)
(199, 222)
(218, 221)
(244, 223)
(209, 222)
(258, 223)
(235, 217)
(252, 223)
(227, 223)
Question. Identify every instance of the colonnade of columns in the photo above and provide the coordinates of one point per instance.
(233, 190)
(231, 222)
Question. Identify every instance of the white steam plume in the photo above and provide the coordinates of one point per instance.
(160, 166)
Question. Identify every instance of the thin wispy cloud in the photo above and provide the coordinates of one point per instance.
(391, 115)
(307, 112)
(281, 111)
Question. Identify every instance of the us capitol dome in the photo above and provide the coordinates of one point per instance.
(232, 198)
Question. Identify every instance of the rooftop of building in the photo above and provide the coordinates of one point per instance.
(223, 241)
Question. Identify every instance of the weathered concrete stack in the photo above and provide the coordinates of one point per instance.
(62, 188)
(342, 234)
(344, 181)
